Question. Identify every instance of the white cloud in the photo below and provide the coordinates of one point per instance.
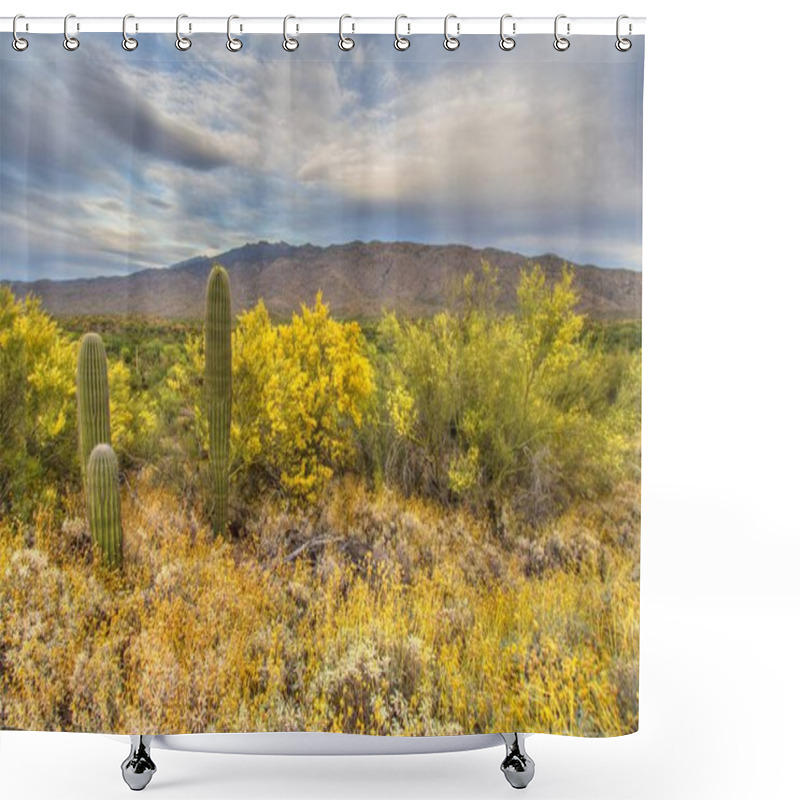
(125, 162)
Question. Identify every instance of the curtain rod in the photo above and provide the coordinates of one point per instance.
(459, 26)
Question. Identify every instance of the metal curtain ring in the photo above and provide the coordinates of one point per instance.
(345, 42)
(451, 42)
(18, 43)
(70, 42)
(128, 42)
(181, 42)
(561, 43)
(623, 45)
(507, 42)
(233, 44)
(289, 44)
(400, 42)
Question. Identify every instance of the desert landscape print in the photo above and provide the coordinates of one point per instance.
(310, 420)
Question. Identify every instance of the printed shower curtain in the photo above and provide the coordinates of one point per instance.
(320, 386)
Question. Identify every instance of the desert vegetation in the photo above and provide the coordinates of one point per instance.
(405, 525)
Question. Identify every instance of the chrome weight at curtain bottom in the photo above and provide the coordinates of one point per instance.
(451, 41)
(138, 767)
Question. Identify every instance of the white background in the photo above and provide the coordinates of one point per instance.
(720, 531)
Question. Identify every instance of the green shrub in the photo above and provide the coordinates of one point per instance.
(37, 406)
(481, 404)
(38, 409)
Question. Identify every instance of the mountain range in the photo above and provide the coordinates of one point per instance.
(357, 279)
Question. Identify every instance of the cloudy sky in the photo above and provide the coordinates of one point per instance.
(111, 161)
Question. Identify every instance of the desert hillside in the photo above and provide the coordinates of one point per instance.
(358, 279)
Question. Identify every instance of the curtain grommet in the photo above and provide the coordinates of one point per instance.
(451, 42)
(622, 44)
(70, 43)
(183, 43)
(289, 44)
(18, 43)
(346, 43)
(129, 43)
(507, 42)
(561, 43)
(401, 43)
(233, 44)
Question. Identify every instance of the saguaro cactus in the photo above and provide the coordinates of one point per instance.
(103, 503)
(94, 416)
(218, 379)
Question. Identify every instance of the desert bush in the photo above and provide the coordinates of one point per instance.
(300, 392)
(480, 404)
(615, 334)
(134, 418)
(437, 628)
(303, 391)
(149, 347)
(37, 406)
(38, 419)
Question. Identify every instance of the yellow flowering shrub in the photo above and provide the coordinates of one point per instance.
(38, 424)
(37, 414)
(133, 415)
(484, 404)
(300, 392)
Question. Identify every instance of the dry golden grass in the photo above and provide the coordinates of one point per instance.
(371, 614)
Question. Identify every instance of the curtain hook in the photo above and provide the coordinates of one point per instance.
(289, 44)
(18, 43)
(233, 44)
(507, 42)
(400, 42)
(451, 42)
(181, 42)
(561, 43)
(70, 42)
(128, 42)
(345, 42)
(623, 45)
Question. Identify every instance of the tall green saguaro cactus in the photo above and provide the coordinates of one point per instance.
(218, 380)
(94, 416)
(103, 504)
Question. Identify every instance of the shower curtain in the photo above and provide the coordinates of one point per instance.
(320, 377)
